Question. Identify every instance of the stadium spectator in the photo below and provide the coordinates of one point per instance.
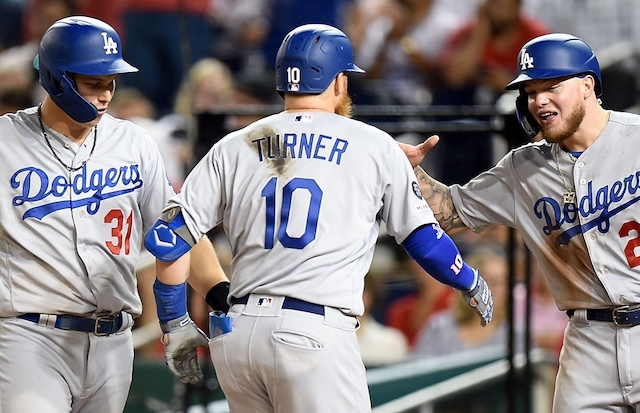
(399, 48)
(478, 60)
(455, 330)
(16, 63)
(163, 38)
(476, 64)
(379, 344)
(412, 312)
(209, 84)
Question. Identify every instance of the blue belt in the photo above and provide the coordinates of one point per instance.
(100, 326)
(289, 304)
(623, 316)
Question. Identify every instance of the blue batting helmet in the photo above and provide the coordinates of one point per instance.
(547, 57)
(81, 45)
(310, 57)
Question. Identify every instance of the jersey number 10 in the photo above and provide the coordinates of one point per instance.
(312, 211)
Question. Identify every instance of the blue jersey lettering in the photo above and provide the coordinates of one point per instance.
(33, 185)
(321, 147)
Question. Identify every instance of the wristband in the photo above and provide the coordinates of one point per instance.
(217, 297)
(171, 300)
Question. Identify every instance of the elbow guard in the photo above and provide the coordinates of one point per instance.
(169, 239)
(437, 254)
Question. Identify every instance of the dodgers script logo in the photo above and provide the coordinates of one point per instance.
(599, 205)
(34, 185)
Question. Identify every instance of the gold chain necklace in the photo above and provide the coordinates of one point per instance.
(569, 196)
(55, 155)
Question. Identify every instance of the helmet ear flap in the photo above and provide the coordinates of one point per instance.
(526, 119)
(81, 110)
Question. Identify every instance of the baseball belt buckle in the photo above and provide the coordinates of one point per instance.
(617, 318)
(97, 325)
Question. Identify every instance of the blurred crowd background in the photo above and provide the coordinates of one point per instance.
(196, 56)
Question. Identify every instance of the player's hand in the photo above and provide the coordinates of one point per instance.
(181, 339)
(479, 297)
(416, 153)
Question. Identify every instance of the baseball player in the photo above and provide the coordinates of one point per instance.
(573, 197)
(78, 190)
(301, 196)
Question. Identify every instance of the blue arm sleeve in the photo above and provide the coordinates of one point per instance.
(169, 238)
(437, 254)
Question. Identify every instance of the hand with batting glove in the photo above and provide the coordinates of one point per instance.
(479, 297)
(181, 339)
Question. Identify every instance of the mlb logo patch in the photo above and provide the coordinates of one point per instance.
(416, 189)
(304, 118)
(293, 87)
(264, 302)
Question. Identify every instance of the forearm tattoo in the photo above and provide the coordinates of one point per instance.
(439, 199)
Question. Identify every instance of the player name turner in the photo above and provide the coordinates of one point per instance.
(292, 145)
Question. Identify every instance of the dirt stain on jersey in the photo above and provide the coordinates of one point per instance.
(266, 143)
(576, 279)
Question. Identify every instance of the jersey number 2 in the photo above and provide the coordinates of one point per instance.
(630, 248)
(313, 210)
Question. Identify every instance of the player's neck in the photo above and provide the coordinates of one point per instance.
(590, 130)
(307, 103)
(327, 101)
(56, 119)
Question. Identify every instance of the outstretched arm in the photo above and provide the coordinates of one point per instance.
(439, 256)
(434, 192)
(438, 196)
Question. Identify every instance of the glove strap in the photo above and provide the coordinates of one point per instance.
(175, 324)
(475, 285)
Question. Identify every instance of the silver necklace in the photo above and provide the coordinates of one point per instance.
(569, 196)
(55, 155)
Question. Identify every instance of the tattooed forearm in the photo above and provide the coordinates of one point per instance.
(439, 199)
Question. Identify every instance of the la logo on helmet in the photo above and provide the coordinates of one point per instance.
(110, 47)
(526, 61)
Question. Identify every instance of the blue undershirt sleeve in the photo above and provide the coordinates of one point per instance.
(437, 254)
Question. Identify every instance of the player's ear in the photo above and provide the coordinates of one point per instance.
(340, 84)
(588, 85)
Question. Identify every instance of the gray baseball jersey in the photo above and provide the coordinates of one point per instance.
(301, 197)
(70, 240)
(587, 249)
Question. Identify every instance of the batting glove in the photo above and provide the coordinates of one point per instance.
(181, 339)
(479, 297)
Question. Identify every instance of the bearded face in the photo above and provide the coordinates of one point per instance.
(558, 134)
